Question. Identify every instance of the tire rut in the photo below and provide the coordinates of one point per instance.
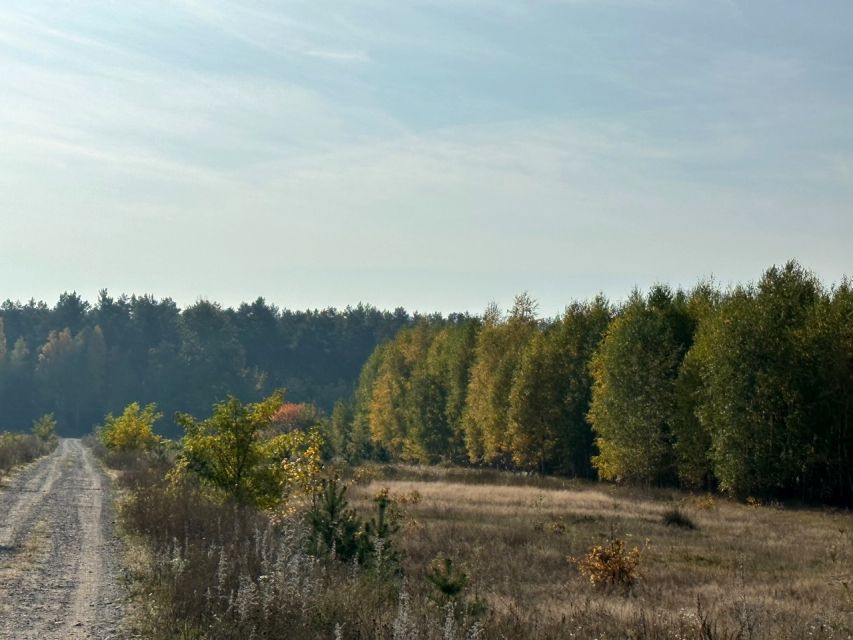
(59, 564)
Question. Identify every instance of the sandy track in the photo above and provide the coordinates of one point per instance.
(59, 562)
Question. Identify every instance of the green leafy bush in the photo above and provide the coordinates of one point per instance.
(235, 451)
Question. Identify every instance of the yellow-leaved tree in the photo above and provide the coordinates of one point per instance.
(235, 451)
(133, 430)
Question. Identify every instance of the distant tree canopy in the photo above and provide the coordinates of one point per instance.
(749, 391)
(80, 361)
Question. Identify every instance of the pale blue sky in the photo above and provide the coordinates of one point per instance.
(435, 155)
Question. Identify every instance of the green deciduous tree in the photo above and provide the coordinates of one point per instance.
(691, 440)
(551, 393)
(774, 364)
(411, 392)
(535, 407)
(396, 421)
(634, 398)
(835, 325)
(500, 344)
(359, 444)
(438, 390)
(229, 452)
(458, 358)
(385, 408)
(340, 427)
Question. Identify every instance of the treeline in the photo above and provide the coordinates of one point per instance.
(80, 361)
(749, 390)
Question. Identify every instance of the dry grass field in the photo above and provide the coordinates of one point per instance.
(746, 570)
(709, 568)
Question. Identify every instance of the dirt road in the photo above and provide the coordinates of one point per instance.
(59, 562)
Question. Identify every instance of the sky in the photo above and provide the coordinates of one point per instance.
(436, 155)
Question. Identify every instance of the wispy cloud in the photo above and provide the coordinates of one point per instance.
(30, 33)
(338, 56)
(499, 145)
(271, 32)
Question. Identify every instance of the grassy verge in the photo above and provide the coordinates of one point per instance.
(203, 568)
(21, 448)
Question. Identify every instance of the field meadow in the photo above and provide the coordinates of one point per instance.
(510, 547)
(745, 570)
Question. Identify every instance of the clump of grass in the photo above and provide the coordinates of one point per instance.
(705, 502)
(675, 517)
(553, 527)
(754, 502)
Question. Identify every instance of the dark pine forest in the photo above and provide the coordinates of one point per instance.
(80, 360)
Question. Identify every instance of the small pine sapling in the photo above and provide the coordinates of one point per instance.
(376, 540)
(447, 579)
(336, 529)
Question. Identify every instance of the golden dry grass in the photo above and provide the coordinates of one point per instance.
(765, 571)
